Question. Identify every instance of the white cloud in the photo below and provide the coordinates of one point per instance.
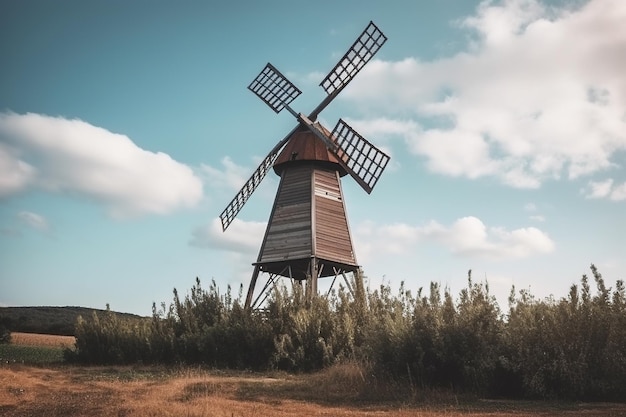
(467, 236)
(619, 193)
(241, 236)
(229, 175)
(375, 240)
(605, 189)
(72, 156)
(499, 25)
(34, 220)
(539, 95)
(15, 174)
(600, 189)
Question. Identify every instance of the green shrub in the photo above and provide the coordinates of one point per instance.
(572, 348)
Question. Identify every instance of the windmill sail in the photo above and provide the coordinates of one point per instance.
(237, 203)
(274, 88)
(359, 54)
(363, 161)
(359, 157)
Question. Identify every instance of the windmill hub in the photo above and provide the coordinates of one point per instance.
(307, 235)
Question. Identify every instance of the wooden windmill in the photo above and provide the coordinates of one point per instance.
(307, 235)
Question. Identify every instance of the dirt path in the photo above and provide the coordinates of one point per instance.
(81, 391)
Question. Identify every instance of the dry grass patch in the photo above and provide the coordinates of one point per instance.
(42, 340)
(155, 391)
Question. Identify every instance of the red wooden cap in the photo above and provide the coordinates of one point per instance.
(305, 146)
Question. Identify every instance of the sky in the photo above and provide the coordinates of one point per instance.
(126, 128)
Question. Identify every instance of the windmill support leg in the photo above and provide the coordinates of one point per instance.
(345, 278)
(255, 275)
(332, 284)
(359, 287)
(265, 292)
(312, 281)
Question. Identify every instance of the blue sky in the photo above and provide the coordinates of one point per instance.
(126, 128)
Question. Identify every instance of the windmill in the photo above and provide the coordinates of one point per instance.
(307, 235)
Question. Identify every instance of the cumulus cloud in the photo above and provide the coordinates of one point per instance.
(539, 94)
(470, 236)
(240, 237)
(605, 189)
(15, 174)
(60, 155)
(467, 236)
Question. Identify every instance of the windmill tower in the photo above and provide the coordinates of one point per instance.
(307, 235)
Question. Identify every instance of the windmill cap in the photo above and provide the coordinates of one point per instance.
(304, 146)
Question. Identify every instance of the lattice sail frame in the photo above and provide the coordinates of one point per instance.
(359, 54)
(237, 203)
(274, 88)
(365, 162)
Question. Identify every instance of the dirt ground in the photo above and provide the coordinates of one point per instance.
(98, 391)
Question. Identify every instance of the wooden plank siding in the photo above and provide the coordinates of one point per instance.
(332, 234)
(289, 230)
(308, 222)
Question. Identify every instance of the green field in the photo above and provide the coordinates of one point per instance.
(10, 353)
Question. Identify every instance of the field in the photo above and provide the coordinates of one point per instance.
(141, 392)
(33, 348)
(31, 388)
(41, 340)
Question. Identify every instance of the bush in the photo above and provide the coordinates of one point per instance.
(572, 348)
(5, 333)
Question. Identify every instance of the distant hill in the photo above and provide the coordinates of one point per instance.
(48, 320)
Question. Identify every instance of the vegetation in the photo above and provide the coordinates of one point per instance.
(47, 320)
(143, 391)
(10, 353)
(5, 332)
(37, 349)
(572, 348)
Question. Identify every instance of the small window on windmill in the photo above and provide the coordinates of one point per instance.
(326, 193)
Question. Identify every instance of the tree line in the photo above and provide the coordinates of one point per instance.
(568, 348)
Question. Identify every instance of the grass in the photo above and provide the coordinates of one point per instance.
(61, 390)
(54, 389)
(30, 348)
(30, 354)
